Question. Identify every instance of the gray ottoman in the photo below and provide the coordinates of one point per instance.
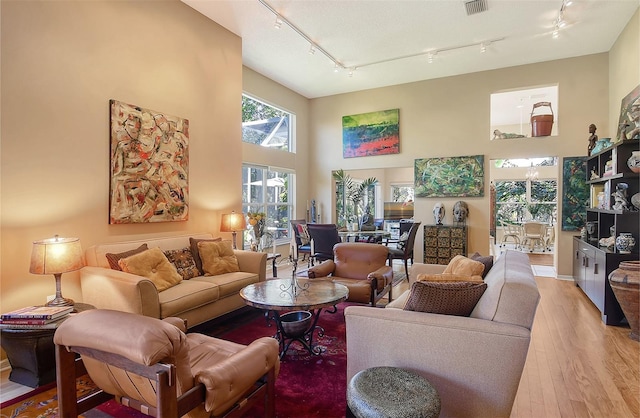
(390, 392)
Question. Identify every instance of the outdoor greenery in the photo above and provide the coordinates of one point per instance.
(353, 197)
(261, 122)
(513, 205)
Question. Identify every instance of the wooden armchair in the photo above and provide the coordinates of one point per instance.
(361, 267)
(152, 366)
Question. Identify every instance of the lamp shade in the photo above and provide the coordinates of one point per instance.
(232, 222)
(56, 255)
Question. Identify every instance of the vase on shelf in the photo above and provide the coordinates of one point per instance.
(601, 144)
(625, 243)
(634, 161)
(625, 283)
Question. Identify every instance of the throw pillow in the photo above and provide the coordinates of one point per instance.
(184, 262)
(113, 258)
(486, 260)
(464, 266)
(152, 264)
(193, 242)
(303, 232)
(217, 257)
(448, 298)
(447, 277)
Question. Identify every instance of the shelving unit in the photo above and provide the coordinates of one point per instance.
(592, 264)
(443, 242)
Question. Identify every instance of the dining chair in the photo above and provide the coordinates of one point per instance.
(323, 238)
(534, 232)
(404, 248)
(510, 231)
(302, 241)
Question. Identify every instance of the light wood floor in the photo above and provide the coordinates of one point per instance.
(576, 366)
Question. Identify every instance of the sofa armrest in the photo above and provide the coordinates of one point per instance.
(252, 262)
(113, 289)
(419, 268)
(475, 365)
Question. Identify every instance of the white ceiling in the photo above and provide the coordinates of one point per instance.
(360, 32)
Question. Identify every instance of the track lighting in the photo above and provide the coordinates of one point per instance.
(336, 67)
(312, 49)
(430, 57)
(483, 47)
(278, 23)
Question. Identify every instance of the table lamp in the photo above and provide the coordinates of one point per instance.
(232, 222)
(56, 256)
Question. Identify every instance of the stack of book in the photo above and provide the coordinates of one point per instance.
(35, 317)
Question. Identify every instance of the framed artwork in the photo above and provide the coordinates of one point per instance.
(575, 196)
(449, 176)
(149, 173)
(375, 133)
(629, 123)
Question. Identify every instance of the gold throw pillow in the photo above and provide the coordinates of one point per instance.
(217, 257)
(464, 266)
(447, 277)
(154, 265)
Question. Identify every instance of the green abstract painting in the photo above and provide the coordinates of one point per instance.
(575, 195)
(449, 176)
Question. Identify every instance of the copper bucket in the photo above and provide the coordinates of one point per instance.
(541, 124)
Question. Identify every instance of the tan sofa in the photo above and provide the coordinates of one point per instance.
(196, 300)
(475, 362)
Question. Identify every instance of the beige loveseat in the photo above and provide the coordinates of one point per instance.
(475, 362)
(196, 300)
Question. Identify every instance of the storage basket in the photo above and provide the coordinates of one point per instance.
(541, 124)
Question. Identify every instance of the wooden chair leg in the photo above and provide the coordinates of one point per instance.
(270, 400)
(66, 382)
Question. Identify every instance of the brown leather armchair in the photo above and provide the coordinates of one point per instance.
(153, 366)
(361, 267)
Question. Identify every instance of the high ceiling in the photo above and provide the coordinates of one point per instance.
(386, 42)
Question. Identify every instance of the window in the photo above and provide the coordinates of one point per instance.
(265, 125)
(268, 190)
(530, 198)
(354, 198)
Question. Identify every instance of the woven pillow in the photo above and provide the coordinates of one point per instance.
(184, 262)
(464, 266)
(303, 232)
(447, 277)
(217, 257)
(113, 258)
(486, 260)
(152, 264)
(447, 298)
(193, 242)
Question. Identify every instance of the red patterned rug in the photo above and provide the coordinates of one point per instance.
(308, 385)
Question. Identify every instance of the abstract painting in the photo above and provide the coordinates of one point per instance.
(575, 196)
(149, 174)
(449, 176)
(629, 123)
(375, 133)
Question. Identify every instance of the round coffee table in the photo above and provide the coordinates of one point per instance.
(304, 295)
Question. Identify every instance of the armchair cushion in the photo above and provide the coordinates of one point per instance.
(323, 269)
(465, 266)
(184, 262)
(448, 298)
(218, 258)
(113, 258)
(154, 265)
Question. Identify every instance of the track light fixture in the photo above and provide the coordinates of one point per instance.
(430, 57)
(483, 47)
(278, 22)
(559, 23)
(312, 49)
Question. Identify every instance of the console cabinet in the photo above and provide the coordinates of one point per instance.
(443, 242)
(592, 264)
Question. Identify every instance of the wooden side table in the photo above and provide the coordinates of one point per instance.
(31, 353)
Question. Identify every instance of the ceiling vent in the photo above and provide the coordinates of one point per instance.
(475, 6)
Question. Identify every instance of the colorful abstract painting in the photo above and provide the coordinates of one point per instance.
(149, 166)
(375, 133)
(575, 196)
(449, 176)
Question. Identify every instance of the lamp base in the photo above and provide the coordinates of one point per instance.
(60, 301)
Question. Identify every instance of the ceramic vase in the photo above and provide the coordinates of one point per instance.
(634, 161)
(625, 243)
(601, 144)
(625, 283)
(635, 200)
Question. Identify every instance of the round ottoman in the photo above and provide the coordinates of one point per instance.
(390, 392)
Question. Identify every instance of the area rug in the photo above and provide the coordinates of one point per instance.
(308, 385)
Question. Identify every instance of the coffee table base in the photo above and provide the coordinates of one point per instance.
(306, 338)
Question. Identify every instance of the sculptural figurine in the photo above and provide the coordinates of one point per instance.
(592, 138)
(313, 211)
(367, 221)
(497, 134)
(438, 213)
(620, 197)
(460, 211)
